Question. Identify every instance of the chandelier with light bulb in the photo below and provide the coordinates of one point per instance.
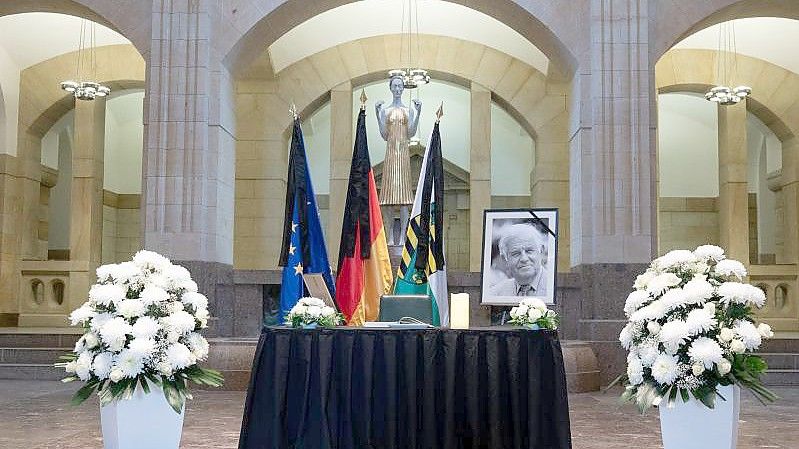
(86, 65)
(412, 75)
(726, 65)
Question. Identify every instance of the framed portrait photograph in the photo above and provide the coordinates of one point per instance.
(519, 255)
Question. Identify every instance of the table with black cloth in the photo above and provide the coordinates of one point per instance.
(386, 388)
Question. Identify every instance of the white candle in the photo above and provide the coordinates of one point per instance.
(459, 311)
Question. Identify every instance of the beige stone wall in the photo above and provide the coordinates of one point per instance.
(121, 226)
(685, 223)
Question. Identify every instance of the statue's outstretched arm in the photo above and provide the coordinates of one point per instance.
(414, 119)
(381, 119)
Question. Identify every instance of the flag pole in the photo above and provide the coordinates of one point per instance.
(293, 111)
(440, 113)
(363, 99)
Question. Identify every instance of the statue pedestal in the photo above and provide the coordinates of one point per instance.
(395, 255)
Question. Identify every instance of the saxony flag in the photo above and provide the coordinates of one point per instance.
(422, 269)
(364, 268)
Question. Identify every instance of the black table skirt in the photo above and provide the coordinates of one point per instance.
(430, 389)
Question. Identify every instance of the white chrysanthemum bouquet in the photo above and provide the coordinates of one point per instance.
(141, 324)
(312, 312)
(691, 329)
(532, 312)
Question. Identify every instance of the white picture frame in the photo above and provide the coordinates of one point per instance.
(519, 256)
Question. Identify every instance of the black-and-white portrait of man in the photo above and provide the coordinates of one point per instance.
(519, 256)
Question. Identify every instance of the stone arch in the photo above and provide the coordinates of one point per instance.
(686, 17)
(531, 97)
(688, 70)
(550, 29)
(133, 21)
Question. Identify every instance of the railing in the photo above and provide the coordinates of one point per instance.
(779, 282)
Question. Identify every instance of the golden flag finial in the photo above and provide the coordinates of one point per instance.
(363, 99)
(293, 111)
(440, 112)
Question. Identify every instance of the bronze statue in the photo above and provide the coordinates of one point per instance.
(398, 124)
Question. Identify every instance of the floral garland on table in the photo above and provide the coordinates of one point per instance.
(141, 324)
(691, 329)
(313, 311)
(533, 312)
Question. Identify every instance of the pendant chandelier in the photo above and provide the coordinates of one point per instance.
(412, 75)
(726, 68)
(84, 86)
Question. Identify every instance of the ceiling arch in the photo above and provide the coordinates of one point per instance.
(682, 70)
(256, 28)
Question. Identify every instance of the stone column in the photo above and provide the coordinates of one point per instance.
(549, 182)
(612, 172)
(733, 192)
(189, 156)
(341, 142)
(479, 170)
(790, 198)
(10, 228)
(86, 206)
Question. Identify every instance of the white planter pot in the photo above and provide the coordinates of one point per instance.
(145, 421)
(691, 425)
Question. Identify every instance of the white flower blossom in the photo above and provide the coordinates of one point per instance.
(726, 335)
(99, 321)
(635, 300)
(101, 366)
(142, 347)
(699, 321)
(179, 356)
(724, 367)
(674, 259)
(196, 300)
(626, 336)
(697, 290)
(697, 369)
(738, 293)
(107, 294)
(145, 327)
(648, 352)
(642, 281)
(666, 369)
(765, 330)
(748, 334)
(661, 283)
(674, 299)
(82, 314)
(705, 351)
(731, 268)
(650, 312)
(153, 294)
(198, 345)
(180, 322)
(635, 371)
(130, 363)
(653, 327)
(131, 308)
(673, 334)
(737, 346)
(83, 366)
(116, 375)
(149, 260)
(710, 252)
(114, 333)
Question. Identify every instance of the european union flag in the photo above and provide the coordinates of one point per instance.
(303, 242)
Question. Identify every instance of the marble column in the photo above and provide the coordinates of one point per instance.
(790, 198)
(189, 155)
(733, 192)
(341, 142)
(479, 170)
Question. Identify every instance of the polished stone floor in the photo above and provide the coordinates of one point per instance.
(37, 415)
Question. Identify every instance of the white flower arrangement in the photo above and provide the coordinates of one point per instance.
(313, 311)
(690, 329)
(141, 323)
(533, 312)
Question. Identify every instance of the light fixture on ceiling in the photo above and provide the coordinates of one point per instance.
(726, 66)
(412, 75)
(82, 87)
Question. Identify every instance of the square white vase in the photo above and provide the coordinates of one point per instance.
(691, 425)
(145, 421)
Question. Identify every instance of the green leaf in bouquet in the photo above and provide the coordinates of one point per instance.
(144, 386)
(172, 395)
(685, 395)
(84, 392)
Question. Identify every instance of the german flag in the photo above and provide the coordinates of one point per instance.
(364, 268)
